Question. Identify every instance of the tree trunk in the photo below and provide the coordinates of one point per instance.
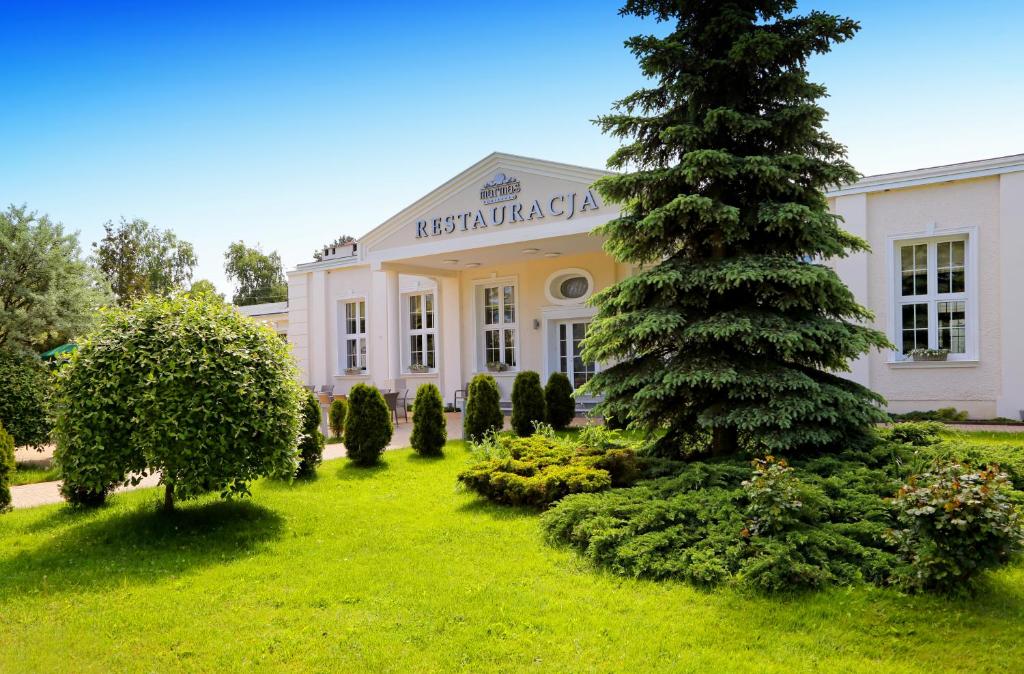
(169, 498)
(723, 441)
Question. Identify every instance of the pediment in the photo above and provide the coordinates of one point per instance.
(497, 192)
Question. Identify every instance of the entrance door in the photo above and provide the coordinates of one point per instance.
(570, 362)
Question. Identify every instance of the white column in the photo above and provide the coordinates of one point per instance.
(318, 374)
(394, 346)
(1011, 243)
(853, 270)
(378, 338)
(451, 377)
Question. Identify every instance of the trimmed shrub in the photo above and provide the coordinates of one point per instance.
(337, 413)
(539, 470)
(6, 468)
(944, 414)
(953, 523)
(916, 433)
(483, 409)
(560, 406)
(25, 385)
(185, 386)
(311, 445)
(368, 429)
(429, 432)
(528, 407)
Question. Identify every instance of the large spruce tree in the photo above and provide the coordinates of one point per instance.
(733, 325)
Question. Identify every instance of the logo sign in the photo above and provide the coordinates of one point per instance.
(500, 188)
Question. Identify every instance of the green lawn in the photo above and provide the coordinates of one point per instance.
(394, 569)
(30, 472)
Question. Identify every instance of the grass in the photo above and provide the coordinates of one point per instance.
(393, 569)
(31, 472)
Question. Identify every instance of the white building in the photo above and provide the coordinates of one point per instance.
(491, 272)
(273, 314)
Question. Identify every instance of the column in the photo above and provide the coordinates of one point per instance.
(853, 270)
(1011, 274)
(394, 323)
(449, 304)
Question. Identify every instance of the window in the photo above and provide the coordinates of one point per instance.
(353, 330)
(421, 325)
(499, 326)
(569, 287)
(933, 302)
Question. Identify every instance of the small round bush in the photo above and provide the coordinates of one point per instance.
(186, 386)
(429, 432)
(336, 416)
(6, 468)
(483, 409)
(560, 405)
(527, 403)
(25, 385)
(368, 429)
(311, 446)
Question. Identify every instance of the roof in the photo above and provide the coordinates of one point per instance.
(934, 174)
(263, 309)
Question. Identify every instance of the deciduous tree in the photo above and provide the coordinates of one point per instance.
(258, 275)
(139, 259)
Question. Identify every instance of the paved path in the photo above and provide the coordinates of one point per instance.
(29, 495)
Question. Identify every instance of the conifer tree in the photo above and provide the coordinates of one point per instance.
(733, 324)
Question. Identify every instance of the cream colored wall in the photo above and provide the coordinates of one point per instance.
(911, 211)
(530, 278)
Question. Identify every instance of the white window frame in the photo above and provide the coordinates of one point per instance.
(931, 237)
(480, 327)
(344, 335)
(408, 332)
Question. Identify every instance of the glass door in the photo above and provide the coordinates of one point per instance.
(570, 361)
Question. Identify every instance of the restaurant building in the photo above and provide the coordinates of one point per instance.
(491, 272)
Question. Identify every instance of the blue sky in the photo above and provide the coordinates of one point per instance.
(289, 123)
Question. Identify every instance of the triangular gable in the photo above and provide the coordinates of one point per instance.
(500, 191)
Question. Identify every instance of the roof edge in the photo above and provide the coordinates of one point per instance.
(934, 174)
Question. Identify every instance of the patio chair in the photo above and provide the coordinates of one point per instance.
(461, 394)
(403, 401)
(326, 394)
(310, 387)
(392, 401)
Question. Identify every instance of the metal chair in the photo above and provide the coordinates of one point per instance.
(392, 401)
(326, 394)
(403, 400)
(460, 394)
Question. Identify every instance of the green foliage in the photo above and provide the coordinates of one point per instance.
(311, 444)
(736, 323)
(483, 409)
(337, 413)
(259, 276)
(947, 414)
(138, 259)
(48, 293)
(953, 523)
(560, 405)
(527, 403)
(202, 287)
(429, 432)
(917, 433)
(541, 469)
(368, 429)
(184, 386)
(6, 467)
(25, 387)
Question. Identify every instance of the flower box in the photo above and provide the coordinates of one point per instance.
(419, 368)
(929, 354)
(353, 370)
(495, 366)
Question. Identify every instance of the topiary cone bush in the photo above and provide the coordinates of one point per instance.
(429, 432)
(25, 385)
(560, 405)
(6, 468)
(336, 416)
(528, 406)
(483, 409)
(311, 446)
(186, 386)
(368, 429)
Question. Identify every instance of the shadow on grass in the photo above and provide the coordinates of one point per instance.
(101, 548)
(351, 471)
(415, 457)
(497, 511)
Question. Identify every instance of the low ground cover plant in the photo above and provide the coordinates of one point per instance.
(368, 429)
(539, 470)
(185, 386)
(429, 432)
(773, 525)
